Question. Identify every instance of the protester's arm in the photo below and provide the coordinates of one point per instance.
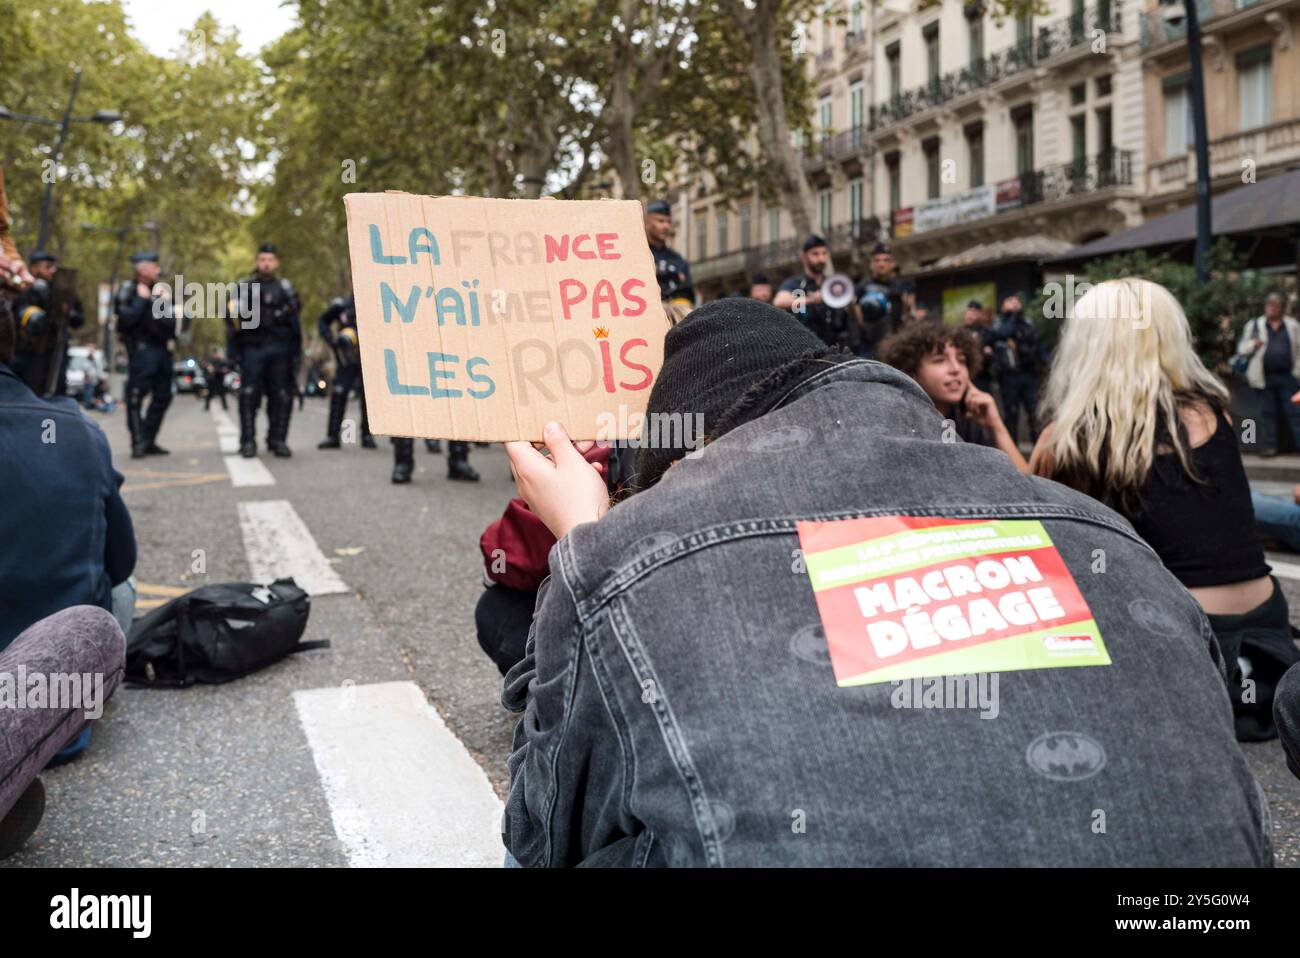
(119, 537)
(566, 769)
(983, 411)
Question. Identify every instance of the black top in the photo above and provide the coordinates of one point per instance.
(1203, 528)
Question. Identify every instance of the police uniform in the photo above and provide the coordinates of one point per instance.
(834, 327)
(338, 327)
(671, 269)
(41, 350)
(264, 339)
(146, 324)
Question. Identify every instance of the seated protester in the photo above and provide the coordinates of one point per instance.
(1139, 423)
(67, 534)
(940, 359)
(515, 548)
(680, 704)
(1286, 712)
(86, 648)
(1278, 518)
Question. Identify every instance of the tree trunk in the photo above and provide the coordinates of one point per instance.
(782, 160)
(618, 116)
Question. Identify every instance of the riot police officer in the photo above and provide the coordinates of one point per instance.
(458, 466)
(671, 268)
(338, 327)
(264, 339)
(146, 324)
(41, 355)
(802, 296)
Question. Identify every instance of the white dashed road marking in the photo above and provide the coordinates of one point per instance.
(402, 790)
(278, 544)
(248, 472)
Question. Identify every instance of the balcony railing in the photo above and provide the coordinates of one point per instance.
(854, 40)
(1051, 40)
(1272, 145)
(1083, 176)
(1157, 27)
(1087, 174)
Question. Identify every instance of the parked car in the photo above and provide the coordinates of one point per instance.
(189, 376)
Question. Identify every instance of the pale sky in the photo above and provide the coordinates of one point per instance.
(162, 24)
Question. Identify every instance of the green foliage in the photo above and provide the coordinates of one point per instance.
(182, 157)
(1216, 311)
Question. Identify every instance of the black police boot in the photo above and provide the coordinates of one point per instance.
(458, 466)
(403, 460)
(248, 403)
(338, 405)
(152, 423)
(433, 445)
(279, 409)
(367, 440)
(135, 424)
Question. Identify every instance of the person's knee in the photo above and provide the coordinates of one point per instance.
(1286, 713)
(78, 644)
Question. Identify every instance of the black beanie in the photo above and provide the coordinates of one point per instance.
(714, 359)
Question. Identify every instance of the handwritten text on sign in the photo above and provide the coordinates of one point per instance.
(484, 318)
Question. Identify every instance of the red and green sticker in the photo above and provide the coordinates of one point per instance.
(905, 597)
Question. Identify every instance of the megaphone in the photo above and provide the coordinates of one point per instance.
(837, 290)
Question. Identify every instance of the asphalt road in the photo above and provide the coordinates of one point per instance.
(240, 774)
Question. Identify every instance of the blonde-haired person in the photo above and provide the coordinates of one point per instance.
(1137, 421)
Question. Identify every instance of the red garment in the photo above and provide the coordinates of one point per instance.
(523, 540)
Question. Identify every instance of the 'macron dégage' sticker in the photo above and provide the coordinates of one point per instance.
(910, 597)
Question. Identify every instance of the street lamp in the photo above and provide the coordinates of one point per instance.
(104, 117)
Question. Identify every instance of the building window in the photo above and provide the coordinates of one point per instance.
(744, 226)
(1255, 86)
(1105, 136)
(723, 222)
(855, 17)
(1079, 138)
(1103, 86)
(893, 57)
(1024, 29)
(893, 172)
(773, 225)
(1078, 93)
(1178, 118)
(855, 205)
(975, 31)
(975, 150)
(824, 210)
(701, 236)
(825, 114)
(931, 35)
(931, 149)
(856, 105)
(1023, 120)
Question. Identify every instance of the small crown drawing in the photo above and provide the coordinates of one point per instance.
(602, 332)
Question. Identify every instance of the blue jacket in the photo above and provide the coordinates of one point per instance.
(679, 705)
(66, 534)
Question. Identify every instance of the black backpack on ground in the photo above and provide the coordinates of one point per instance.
(218, 633)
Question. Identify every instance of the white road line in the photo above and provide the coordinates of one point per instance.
(248, 472)
(402, 789)
(278, 544)
(1281, 567)
(227, 431)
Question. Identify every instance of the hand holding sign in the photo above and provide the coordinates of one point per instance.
(564, 490)
(485, 319)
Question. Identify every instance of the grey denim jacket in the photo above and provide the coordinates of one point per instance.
(679, 706)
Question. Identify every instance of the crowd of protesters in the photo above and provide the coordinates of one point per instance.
(656, 626)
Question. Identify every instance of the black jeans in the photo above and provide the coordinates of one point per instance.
(1278, 389)
(1019, 390)
(503, 617)
(1262, 637)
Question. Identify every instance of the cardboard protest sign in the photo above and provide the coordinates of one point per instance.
(904, 597)
(487, 318)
